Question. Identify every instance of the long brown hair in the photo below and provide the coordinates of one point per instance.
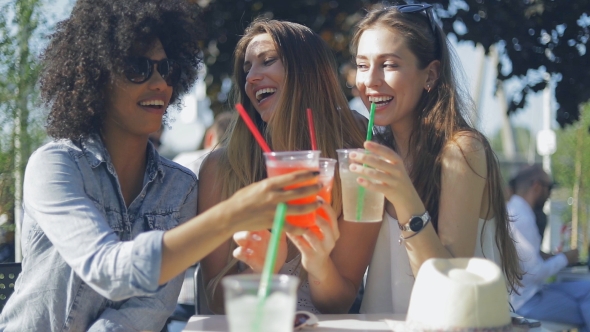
(311, 81)
(442, 116)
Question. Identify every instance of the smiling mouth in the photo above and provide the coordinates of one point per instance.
(157, 104)
(264, 93)
(380, 101)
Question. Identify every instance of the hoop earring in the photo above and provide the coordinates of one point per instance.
(349, 86)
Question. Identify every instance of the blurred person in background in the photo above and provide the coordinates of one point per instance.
(540, 216)
(565, 302)
(213, 135)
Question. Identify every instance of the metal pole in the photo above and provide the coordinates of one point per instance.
(18, 189)
(553, 230)
(508, 146)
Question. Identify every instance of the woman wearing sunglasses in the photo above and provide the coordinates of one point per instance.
(100, 246)
(440, 177)
(280, 69)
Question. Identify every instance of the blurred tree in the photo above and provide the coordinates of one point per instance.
(20, 129)
(532, 34)
(227, 19)
(529, 34)
(523, 141)
(571, 170)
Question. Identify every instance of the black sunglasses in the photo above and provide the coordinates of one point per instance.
(415, 8)
(418, 8)
(139, 69)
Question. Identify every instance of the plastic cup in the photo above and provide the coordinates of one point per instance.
(327, 166)
(279, 163)
(241, 303)
(373, 201)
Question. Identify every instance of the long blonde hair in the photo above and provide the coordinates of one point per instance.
(311, 81)
(441, 114)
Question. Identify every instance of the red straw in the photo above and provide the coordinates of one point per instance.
(314, 144)
(252, 128)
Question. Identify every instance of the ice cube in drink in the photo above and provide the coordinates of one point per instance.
(278, 313)
(242, 304)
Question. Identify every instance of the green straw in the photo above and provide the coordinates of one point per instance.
(269, 262)
(361, 191)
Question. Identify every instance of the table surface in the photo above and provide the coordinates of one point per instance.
(328, 323)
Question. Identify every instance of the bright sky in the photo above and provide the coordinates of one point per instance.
(490, 119)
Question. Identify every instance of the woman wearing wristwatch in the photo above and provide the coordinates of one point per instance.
(439, 175)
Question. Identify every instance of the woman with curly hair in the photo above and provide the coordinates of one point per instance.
(100, 246)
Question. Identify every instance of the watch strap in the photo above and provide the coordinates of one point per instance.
(406, 228)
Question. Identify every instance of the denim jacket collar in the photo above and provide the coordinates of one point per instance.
(97, 153)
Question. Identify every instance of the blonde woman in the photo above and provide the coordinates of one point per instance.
(280, 69)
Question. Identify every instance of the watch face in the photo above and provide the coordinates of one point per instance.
(416, 224)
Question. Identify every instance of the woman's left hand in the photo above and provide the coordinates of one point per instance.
(386, 174)
(252, 248)
(315, 252)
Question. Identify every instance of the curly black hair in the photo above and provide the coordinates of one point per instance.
(93, 43)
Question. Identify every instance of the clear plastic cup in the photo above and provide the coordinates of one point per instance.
(372, 201)
(327, 166)
(241, 303)
(279, 163)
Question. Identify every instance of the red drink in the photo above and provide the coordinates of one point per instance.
(327, 166)
(326, 194)
(278, 163)
(303, 220)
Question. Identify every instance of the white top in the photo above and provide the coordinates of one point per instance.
(390, 279)
(528, 245)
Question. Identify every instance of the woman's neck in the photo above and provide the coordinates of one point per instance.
(401, 135)
(128, 155)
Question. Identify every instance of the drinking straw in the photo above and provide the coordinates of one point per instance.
(277, 228)
(361, 191)
(269, 262)
(314, 144)
(252, 128)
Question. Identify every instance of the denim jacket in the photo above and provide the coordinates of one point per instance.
(89, 262)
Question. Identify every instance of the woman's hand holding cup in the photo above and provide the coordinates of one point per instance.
(386, 173)
(315, 253)
(254, 206)
(252, 247)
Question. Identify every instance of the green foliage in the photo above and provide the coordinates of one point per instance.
(532, 34)
(540, 34)
(563, 160)
(572, 143)
(20, 34)
(522, 138)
